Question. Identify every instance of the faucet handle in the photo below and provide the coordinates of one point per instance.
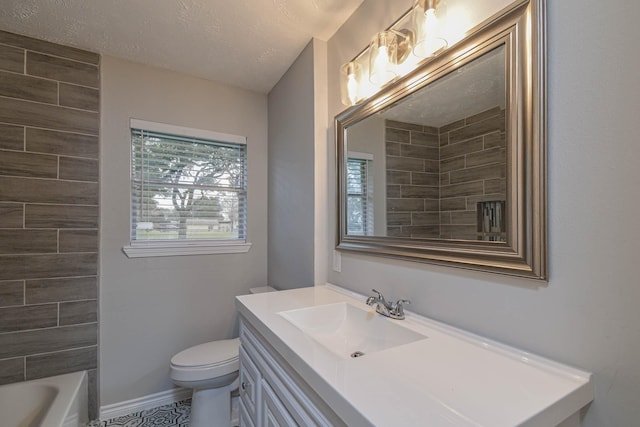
(399, 306)
(381, 297)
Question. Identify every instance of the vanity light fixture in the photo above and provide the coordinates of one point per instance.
(426, 21)
(417, 32)
(383, 58)
(350, 81)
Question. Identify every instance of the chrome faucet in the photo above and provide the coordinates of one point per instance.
(392, 310)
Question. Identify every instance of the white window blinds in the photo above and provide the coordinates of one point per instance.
(187, 188)
(359, 195)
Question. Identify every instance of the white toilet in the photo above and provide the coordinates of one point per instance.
(211, 370)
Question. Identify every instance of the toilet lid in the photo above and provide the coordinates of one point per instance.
(208, 354)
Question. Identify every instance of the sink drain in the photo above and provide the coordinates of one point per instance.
(357, 354)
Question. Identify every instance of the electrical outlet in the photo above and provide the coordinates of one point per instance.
(337, 261)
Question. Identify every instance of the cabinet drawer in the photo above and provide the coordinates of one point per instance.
(249, 386)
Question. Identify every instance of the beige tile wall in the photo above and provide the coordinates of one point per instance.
(49, 127)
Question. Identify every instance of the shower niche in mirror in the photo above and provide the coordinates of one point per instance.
(447, 164)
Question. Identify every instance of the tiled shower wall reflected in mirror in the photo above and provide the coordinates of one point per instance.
(49, 127)
(436, 177)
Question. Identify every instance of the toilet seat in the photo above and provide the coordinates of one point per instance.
(206, 361)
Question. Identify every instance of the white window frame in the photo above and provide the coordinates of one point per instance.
(149, 248)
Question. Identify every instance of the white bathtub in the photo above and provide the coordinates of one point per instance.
(59, 401)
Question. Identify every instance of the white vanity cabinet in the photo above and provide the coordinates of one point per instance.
(271, 393)
(296, 368)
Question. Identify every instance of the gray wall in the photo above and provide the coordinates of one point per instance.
(49, 124)
(587, 315)
(154, 307)
(291, 175)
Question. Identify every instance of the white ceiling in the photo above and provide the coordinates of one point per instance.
(471, 89)
(245, 43)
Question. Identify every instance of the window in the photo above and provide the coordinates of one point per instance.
(359, 194)
(188, 191)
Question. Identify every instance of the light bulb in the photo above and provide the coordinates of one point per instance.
(382, 58)
(429, 44)
(431, 20)
(429, 40)
(352, 88)
(350, 81)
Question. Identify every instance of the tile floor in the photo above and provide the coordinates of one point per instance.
(174, 415)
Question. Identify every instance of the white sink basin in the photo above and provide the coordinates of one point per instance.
(349, 331)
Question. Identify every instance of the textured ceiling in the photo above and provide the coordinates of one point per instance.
(245, 43)
(471, 89)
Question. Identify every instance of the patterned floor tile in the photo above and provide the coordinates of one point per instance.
(174, 415)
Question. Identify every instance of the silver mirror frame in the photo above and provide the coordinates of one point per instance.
(521, 29)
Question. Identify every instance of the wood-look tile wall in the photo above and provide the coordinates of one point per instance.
(437, 176)
(49, 126)
(472, 169)
(412, 180)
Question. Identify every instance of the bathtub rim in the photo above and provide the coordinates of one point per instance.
(72, 388)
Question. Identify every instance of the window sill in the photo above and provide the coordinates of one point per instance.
(146, 251)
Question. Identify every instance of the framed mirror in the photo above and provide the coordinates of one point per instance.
(446, 165)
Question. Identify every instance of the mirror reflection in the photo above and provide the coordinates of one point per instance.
(433, 165)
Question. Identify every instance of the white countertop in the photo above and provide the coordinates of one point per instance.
(451, 378)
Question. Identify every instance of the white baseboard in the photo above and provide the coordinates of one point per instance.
(145, 402)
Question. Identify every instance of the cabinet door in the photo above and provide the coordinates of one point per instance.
(294, 395)
(274, 413)
(245, 418)
(249, 386)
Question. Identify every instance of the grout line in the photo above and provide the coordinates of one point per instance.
(45, 253)
(48, 179)
(63, 351)
(51, 129)
(31, 305)
(50, 104)
(42, 153)
(50, 328)
(97, 89)
(48, 229)
(39, 52)
(54, 204)
(86, 276)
